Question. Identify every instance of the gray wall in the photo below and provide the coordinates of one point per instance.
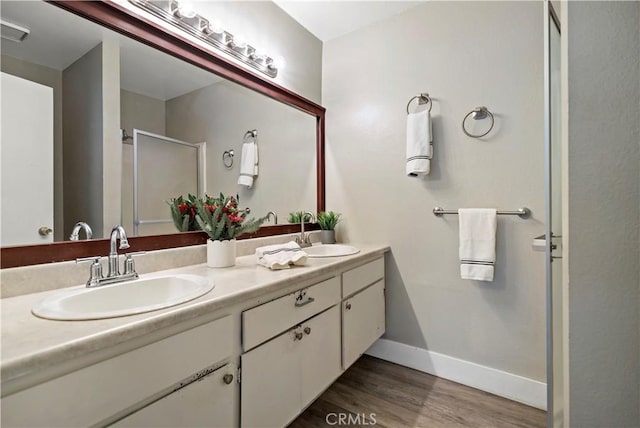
(52, 78)
(266, 26)
(603, 135)
(92, 146)
(465, 55)
(220, 114)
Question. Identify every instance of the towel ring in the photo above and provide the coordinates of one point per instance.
(250, 134)
(423, 98)
(227, 158)
(478, 113)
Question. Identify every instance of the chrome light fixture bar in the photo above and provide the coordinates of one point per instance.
(186, 19)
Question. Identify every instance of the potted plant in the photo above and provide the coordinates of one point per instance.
(327, 220)
(221, 219)
(296, 217)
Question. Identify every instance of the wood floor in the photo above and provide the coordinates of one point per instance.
(401, 397)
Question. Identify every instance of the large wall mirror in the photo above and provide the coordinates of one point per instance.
(102, 127)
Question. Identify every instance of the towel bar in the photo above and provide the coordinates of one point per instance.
(521, 212)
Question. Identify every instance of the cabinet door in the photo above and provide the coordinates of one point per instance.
(362, 322)
(209, 401)
(270, 388)
(320, 354)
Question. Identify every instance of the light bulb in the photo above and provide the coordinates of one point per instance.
(278, 63)
(216, 27)
(186, 10)
(239, 41)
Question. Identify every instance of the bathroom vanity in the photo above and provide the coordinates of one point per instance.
(255, 351)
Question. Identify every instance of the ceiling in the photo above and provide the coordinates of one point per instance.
(330, 19)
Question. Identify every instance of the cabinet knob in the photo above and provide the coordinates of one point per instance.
(228, 378)
(44, 231)
(298, 336)
(307, 330)
(348, 306)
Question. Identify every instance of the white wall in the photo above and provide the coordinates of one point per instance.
(602, 113)
(465, 54)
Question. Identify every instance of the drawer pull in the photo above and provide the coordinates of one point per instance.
(306, 302)
(348, 306)
(307, 330)
(228, 378)
(298, 336)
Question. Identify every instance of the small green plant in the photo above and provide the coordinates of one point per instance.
(221, 219)
(296, 216)
(327, 220)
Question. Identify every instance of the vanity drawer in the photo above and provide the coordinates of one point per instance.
(356, 279)
(95, 393)
(270, 319)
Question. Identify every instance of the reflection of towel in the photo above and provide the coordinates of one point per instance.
(248, 164)
(419, 143)
(281, 256)
(477, 243)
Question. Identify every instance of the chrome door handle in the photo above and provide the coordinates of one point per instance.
(306, 302)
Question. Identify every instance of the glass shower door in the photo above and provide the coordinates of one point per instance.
(163, 168)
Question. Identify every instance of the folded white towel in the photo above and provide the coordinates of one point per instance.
(419, 143)
(281, 256)
(477, 243)
(248, 164)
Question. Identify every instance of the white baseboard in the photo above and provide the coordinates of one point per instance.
(513, 387)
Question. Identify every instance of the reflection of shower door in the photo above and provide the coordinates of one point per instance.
(163, 168)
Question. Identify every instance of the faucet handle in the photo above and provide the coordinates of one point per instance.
(95, 271)
(129, 263)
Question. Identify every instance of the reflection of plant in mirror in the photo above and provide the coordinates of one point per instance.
(221, 219)
(327, 220)
(296, 216)
(183, 213)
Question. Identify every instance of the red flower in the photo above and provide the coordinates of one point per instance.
(183, 208)
(235, 218)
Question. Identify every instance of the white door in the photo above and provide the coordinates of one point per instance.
(26, 149)
(362, 322)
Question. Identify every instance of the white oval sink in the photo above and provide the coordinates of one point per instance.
(330, 250)
(125, 298)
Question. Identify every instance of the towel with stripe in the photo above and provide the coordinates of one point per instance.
(281, 256)
(477, 243)
(419, 143)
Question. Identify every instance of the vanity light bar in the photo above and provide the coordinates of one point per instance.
(185, 18)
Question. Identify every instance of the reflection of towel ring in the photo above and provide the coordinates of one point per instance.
(250, 134)
(423, 98)
(478, 113)
(227, 158)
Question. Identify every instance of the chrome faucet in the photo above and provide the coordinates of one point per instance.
(116, 232)
(303, 240)
(275, 217)
(113, 275)
(75, 233)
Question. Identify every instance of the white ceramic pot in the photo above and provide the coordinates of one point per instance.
(221, 254)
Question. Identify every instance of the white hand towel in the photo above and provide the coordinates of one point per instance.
(419, 143)
(477, 243)
(281, 256)
(248, 164)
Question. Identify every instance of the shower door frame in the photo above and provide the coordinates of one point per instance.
(200, 172)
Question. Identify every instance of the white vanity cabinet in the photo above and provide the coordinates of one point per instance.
(282, 376)
(106, 391)
(211, 400)
(363, 309)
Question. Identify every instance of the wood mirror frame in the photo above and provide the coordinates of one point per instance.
(118, 19)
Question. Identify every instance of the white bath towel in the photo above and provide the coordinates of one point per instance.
(419, 143)
(248, 164)
(477, 243)
(281, 256)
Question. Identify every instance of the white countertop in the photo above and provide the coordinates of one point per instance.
(30, 344)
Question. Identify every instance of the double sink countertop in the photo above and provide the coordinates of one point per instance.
(31, 344)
